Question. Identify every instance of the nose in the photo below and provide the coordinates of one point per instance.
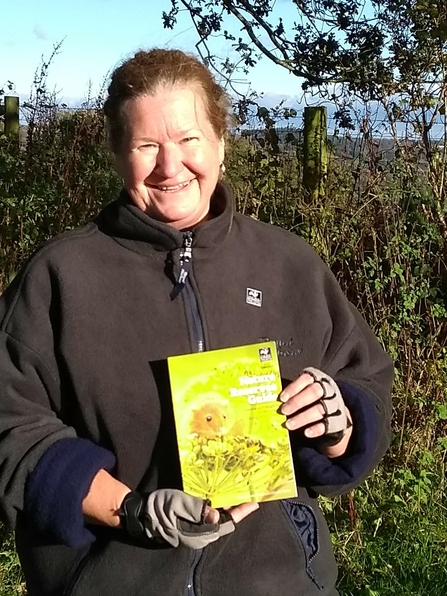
(169, 161)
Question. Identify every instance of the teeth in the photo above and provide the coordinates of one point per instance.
(173, 188)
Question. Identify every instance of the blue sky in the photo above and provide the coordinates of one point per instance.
(97, 35)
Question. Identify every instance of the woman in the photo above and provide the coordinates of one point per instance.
(89, 474)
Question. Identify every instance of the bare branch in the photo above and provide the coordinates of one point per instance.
(274, 37)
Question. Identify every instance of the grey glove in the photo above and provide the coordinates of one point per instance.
(335, 420)
(173, 516)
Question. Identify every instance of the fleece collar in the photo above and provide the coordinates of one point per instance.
(135, 230)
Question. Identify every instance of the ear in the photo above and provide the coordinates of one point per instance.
(221, 150)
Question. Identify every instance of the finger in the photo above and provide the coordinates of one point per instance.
(296, 386)
(239, 512)
(211, 516)
(317, 430)
(308, 417)
(311, 394)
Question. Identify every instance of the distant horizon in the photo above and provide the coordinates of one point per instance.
(379, 121)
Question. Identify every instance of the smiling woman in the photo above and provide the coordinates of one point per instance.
(167, 119)
(170, 156)
(89, 466)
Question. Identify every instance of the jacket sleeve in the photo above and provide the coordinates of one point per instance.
(27, 424)
(354, 358)
(31, 431)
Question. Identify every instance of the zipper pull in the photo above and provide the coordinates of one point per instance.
(185, 264)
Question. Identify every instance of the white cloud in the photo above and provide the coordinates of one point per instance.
(40, 32)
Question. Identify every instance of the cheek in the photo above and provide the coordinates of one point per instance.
(194, 157)
(203, 159)
(139, 170)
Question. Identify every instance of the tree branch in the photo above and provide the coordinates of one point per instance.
(284, 63)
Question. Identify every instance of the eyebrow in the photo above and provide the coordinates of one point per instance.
(182, 133)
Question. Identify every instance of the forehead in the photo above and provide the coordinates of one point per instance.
(168, 110)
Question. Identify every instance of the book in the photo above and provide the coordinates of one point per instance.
(233, 445)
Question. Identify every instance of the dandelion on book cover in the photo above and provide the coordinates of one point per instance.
(233, 445)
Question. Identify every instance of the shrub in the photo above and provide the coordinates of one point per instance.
(379, 229)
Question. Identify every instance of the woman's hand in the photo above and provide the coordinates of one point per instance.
(106, 494)
(237, 512)
(314, 402)
(103, 500)
(174, 517)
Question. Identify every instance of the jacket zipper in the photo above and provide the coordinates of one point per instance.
(80, 568)
(183, 282)
(317, 550)
(196, 320)
(190, 588)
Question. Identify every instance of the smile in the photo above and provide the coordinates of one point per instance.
(172, 188)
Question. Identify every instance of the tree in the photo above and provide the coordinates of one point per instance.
(390, 52)
(328, 41)
(369, 48)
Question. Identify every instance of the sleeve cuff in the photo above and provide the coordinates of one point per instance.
(347, 469)
(59, 483)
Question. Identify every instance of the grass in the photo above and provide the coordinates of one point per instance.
(11, 577)
(390, 534)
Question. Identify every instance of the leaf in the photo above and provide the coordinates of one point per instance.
(441, 411)
(439, 311)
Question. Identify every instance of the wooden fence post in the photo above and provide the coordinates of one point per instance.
(315, 152)
(11, 112)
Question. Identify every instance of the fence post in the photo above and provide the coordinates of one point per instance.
(315, 152)
(12, 125)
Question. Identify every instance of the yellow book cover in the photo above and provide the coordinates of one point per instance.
(233, 444)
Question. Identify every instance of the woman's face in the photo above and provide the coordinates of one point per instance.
(170, 157)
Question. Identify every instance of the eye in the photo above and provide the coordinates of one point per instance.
(190, 139)
(209, 418)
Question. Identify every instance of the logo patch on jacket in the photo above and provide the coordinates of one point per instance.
(265, 354)
(253, 297)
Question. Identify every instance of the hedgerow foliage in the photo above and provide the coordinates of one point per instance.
(380, 229)
(56, 176)
(381, 234)
(58, 179)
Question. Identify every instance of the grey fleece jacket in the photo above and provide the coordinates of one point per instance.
(86, 328)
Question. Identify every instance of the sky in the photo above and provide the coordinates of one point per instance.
(96, 36)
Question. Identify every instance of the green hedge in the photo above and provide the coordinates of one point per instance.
(379, 230)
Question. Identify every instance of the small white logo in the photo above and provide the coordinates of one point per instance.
(253, 297)
(265, 354)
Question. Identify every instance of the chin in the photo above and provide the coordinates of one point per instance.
(179, 219)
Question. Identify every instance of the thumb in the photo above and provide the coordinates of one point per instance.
(211, 516)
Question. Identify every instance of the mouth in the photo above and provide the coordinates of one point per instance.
(173, 188)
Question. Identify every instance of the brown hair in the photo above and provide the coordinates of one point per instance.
(146, 72)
